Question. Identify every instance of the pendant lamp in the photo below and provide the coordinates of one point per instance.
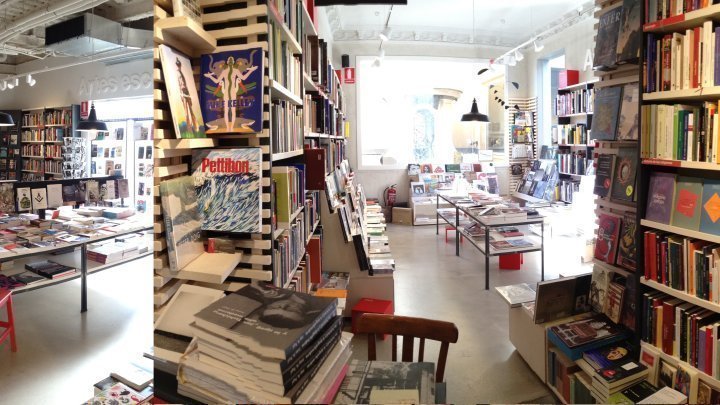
(474, 114)
(92, 124)
(6, 120)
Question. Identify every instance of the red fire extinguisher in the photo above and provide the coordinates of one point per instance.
(389, 195)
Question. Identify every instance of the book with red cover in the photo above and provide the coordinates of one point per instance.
(668, 324)
(315, 169)
(315, 260)
(608, 233)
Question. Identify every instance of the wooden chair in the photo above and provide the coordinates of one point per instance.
(409, 328)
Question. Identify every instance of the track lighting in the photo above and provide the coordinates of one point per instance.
(538, 46)
(30, 81)
(518, 55)
(385, 34)
(511, 60)
(13, 83)
(3, 85)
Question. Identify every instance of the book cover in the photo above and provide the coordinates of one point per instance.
(418, 188)
(182, 221)
(39, 198)
(92, 191)
(686, 381)
(231, 91)
(24, 199)
(630, 35)
(271, 322)
(606, 108)
(609, 356)
(687, 203)
(68, 193)
(7, 197)
(608, 233)
(604, 174)
(614, 298)
(710, 210)
(54, 195)
(626, 243)
(229, 189)
(452, 168)
(123, 188)
(598, 287)
(182, 94)
(426, 168)
(661, 195)
(617, 375)
(413, 169)
(607, 39)
(628, 121)
(110, 193)
(585, 331)
(370, 379)
(667, 373)
(516, 294)
(555, 299)
(623, 187)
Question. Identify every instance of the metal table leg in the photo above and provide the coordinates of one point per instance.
(83, 277)
(487, 258)
(457, 231)
(437, 215)
(542, 250)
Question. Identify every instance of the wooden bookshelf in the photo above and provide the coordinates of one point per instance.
(698, 94)
(681, 294)
(287, 155)
(184, 34)
(682, 22)
(681, 231)
(682, 163)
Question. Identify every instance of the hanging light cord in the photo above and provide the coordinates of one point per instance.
(387, 21)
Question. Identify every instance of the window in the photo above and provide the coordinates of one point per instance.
(409, 111)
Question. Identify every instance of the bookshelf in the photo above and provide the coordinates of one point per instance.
(529, 105)
(48, 144)
(9, 148)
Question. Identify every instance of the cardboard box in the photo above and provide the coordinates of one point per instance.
(568, 78)
(403, 216)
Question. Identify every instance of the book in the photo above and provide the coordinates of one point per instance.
(607, 109)
(7, 197)
(614, 301)
(650, 358)
(366, 380)
(626, 243)
(231, 91)
(228, 183)
(623, 187)
(687, 203)
(609, 356)
(413, 169)
(92, 191)
(618, 375)
(182, 94)
(607, 40)
(630, 35)
(628, 121)
(710, 208)
(50, 269)
(270, 322)
(182, 221)
(418, 188)
(604, 174)
(123, 188)
(560, 298)
(598, 287)
(28, 278)
(54, 195)
(426, 168)
(608, 234)
(707, 394)
(594, 329)
(667, 373)
(516, 294)
(633, 394)
(666, 395)
(39, 198)
(134, 376)
(119, 394)
(24, 199)
(661, 195)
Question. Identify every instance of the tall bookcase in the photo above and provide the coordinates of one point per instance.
(524, 104)
(43, 135)
(705, 170)
(10, 148)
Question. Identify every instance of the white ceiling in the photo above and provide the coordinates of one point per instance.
(496, 22)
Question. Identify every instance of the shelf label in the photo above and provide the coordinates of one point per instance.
(661, 162)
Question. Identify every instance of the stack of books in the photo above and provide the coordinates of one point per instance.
(611, 380)
(50, 269)
(260, 344)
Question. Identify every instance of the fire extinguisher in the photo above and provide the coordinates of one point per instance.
(389, 195)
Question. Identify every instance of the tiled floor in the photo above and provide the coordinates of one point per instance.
(62, 352)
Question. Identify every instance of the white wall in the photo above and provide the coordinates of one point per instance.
(85, 82)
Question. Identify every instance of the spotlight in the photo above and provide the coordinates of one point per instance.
(385, 34)
(518, 55)
(538, 46)
(511, 60)
(3, 85)
(30, 81)
(13, 83)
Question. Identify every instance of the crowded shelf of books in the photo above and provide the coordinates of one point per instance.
(257, 210)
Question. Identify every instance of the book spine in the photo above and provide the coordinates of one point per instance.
(319, 350)
(313, 368)
(295, 349)
(292, 370)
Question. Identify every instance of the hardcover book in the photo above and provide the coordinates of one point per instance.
(369, 382)
(661, 195)
(92, 191)
(604, 174)
(623, 187)
(612, 355)
(626, 244)
(7, 197)
(687, 203)
(607, 40)
(614, 299)
(231, 91)
(710, 210)
(182, 221)
(628, 121)
(606, 108)
(182, 94)
(593, 329)
(68, 193)
(630, 36)
(608, 233)
(614, 376)
(39, 198)
(229, 189)
(598, 287)
(270, 322)
(560, 298)
(54, 195)
(24, 199)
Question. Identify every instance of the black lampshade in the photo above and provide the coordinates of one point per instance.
(92, 124)
(474, 114)
(6, 120)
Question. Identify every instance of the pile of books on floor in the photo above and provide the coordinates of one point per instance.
(118, 249)
(132, 384)
(263, 344)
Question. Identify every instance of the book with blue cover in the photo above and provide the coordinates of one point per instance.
(229, 189)
(607, 109)
(231, 91)
(710, 209)
(661, 194)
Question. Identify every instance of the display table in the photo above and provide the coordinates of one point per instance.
(485, 248)
(73, 254)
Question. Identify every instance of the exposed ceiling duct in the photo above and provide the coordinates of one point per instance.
(89, 34)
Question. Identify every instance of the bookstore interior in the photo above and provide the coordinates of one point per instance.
(281, 189)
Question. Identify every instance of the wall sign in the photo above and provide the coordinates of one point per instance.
(109, 85)
(84, 109)
(348, 75)
(588, 60)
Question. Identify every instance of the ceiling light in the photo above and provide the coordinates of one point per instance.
(538, 46)
(511, 60)
(3, 85)
(92, 124)
(385, 34)
(13, 83)
(518, 55)
(30, 80)
(6, 120)
(376, 63)
(474, 114)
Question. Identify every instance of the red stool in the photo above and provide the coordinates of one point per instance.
(449, 228)
(6, 301)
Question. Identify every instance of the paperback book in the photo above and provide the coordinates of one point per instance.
(182, 94)
(604, 175)
(630, 35)
(686, 207)
(228, 183)
(231, 91)
(623, 187)
(608, 233)
(182, 221)
(626, 243)
(710, 210)
(7, 197)
(628, 121)
(607, 108)
(661, 194)
(607, 40)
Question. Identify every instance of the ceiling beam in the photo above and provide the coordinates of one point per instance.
(128, 12)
